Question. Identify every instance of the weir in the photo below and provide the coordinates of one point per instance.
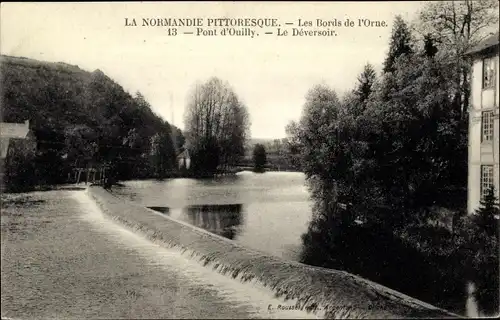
(323, 292)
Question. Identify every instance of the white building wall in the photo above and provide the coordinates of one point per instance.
(482, 153)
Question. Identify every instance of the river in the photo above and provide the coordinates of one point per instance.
(268, 212)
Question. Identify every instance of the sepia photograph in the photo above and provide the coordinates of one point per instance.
(249, 160)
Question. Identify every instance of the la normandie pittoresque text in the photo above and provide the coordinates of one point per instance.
(253, 27)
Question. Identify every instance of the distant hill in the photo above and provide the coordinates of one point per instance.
(59, 94)
(66, 104)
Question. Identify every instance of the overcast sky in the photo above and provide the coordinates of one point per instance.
(270, 74)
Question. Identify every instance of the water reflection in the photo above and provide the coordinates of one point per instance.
(224, 220)
(164, 210)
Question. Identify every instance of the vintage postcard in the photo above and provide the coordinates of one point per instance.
(249, 159)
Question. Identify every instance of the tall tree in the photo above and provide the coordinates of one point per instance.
(366, 80)
(457, 26)
(217, 125)
(400, 43)
(163, 153)
(292, 145)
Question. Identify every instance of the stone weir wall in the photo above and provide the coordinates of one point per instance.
(324, 292)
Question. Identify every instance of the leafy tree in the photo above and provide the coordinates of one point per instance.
(322, 157)
(19, 167)
(217, 125)
(259, 157)
(292, 145)
(457, 26)
(163, 154)
(390, 151)
(205, 157)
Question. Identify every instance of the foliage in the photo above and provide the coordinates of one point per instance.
(83, 119)
(206, 156)
(292, 145)
(163, 153)
(217, 125)
(477, 236)
(19, 169)
(259, 157)
(457, 26)
(400, 43)
(379, 160)
(486, 217)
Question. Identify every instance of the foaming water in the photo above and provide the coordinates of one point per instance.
(472, 310)
(260, 301)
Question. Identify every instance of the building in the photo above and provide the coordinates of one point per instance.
(17, 138)
(483, 122)
(12, 132)
(183, 159)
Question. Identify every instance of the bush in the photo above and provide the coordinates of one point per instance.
(19, 170)
(478, 244)
(259, 157)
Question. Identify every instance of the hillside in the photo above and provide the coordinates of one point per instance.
(83, 118)
(58, 94)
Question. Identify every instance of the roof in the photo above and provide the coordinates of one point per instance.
(485, 44)
(14, 130)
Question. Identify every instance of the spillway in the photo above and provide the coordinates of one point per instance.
(314, 291)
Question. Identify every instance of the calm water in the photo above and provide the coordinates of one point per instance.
(267, 212)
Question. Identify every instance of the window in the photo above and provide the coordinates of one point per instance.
(487, 126)
(488, 73)
(486, 179)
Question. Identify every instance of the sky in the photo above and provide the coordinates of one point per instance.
(271, 74)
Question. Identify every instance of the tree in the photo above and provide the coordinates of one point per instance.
(430, 48)
(390, 150)
(76, 114)
(486, 217)
(478, 236)
(162, 153)
(457, 26)
(217, 125)
(400, 43)
(366, 80)
(292, 145)
(178, 138)
(259, 157)
(19, 170)
(317, 133)
(81, 145)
